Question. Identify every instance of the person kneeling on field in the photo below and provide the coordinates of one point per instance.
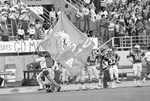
(45, 72)
(47, 84)
(136, 54)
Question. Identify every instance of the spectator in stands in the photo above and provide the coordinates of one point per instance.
(67, 11)
(147, 28)
(92, 12)
(52, 16)
(139, 27)
(78, 17)
(13, 16)
(111, 29)
(42, 33)
(4, 31)
(46, 26)
(59, 11)
(104, 12)
(98, 18)
(132, 28)
(37, 27)
(21, 33)
(24, 18)
(104, 27)
(32, 32)
(86, 14)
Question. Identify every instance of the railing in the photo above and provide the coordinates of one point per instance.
(76, 3)
(35, 4)
(127, 42)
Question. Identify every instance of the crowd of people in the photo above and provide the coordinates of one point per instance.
(116, 18)
(16, 21)
(106, 59)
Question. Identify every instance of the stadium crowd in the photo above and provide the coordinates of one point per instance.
(15, 21)
(116, 18)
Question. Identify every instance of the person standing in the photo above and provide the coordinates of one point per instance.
(104, 27)
(67, 11)
(92, 60)
(98, 18)
(136, 54)
(37, 28)
(78, 17)
(147, 59)
(86, 15)
(13, 16)
(52, 16)
(104, 72)
(24, 18)
(117, 61)
(112, 58)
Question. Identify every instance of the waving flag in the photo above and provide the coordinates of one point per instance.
(67, 45)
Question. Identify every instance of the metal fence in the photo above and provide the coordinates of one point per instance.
(127, 42)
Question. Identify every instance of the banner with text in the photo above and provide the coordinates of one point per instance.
(26, 46)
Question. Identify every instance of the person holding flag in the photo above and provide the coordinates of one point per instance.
(45, 72)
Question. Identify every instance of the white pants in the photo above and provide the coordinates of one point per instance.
(81, 76)
(113, 70)
(42, 83)
(93, 70)
(137, 69)
(65, 75)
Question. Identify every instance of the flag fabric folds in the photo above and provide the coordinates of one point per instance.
(68, 45)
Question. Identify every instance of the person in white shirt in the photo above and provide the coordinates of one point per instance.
(86, 14)
(21, 33)
(45, 72)
(32, 31)
(111, 29)
(104, 12)
(147, 59)
(87, 1)
(52, 15)
(24, 18)
(13, 16)
(92, 12)
(78, 17)
(98, 18)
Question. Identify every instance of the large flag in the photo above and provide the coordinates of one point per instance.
(67, 45)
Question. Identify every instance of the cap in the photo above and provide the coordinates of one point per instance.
(109, 50)
(16, 6)
(137, 46)
(12, 9)
(4, 12)
(24, 11)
